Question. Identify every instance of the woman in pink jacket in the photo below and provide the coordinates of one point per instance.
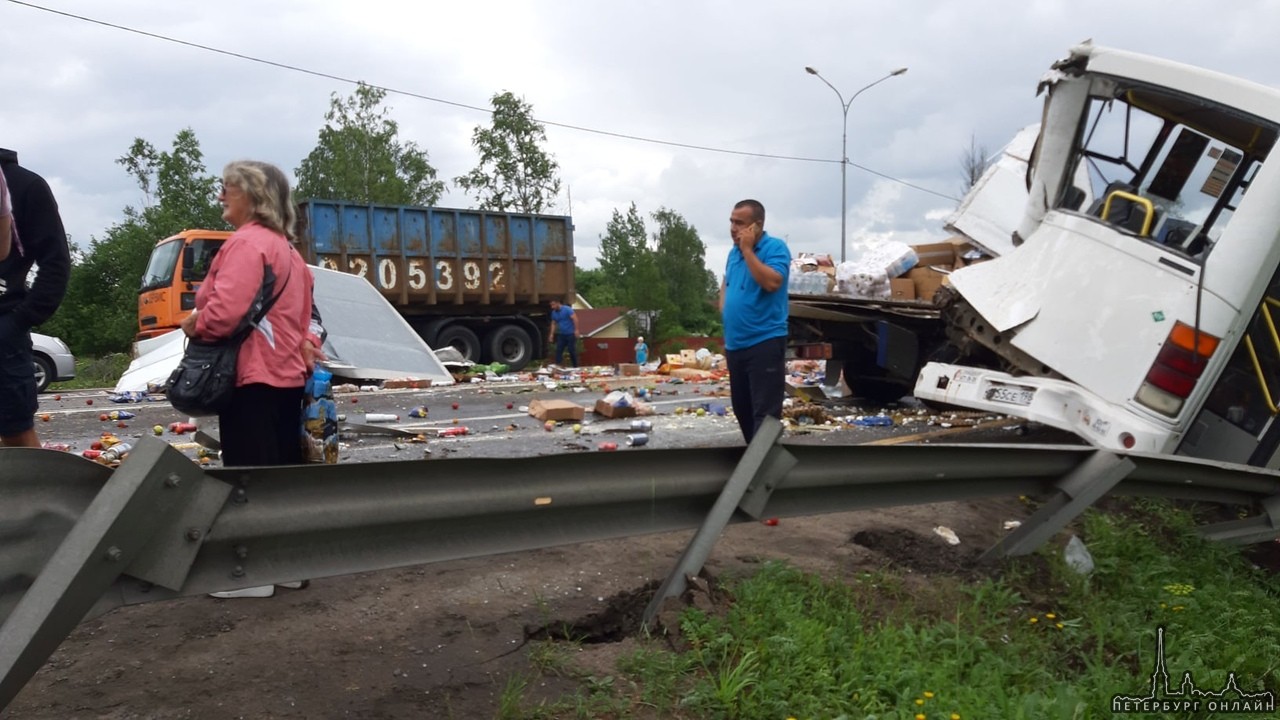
(262, 426)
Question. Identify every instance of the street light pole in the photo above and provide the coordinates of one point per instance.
(844, 147)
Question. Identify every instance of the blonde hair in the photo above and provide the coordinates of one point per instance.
(268, 191)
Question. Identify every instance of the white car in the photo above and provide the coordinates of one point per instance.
(53, 360)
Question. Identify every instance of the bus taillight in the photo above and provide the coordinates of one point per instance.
(1178, 366)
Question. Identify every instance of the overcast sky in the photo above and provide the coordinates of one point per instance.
(724, 75)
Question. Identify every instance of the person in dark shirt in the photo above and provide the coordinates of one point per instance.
(38, 240)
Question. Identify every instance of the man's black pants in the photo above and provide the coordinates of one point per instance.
(757, 381)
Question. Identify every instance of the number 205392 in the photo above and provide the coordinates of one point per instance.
(448, 274)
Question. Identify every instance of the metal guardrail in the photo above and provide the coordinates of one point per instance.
(80, 540)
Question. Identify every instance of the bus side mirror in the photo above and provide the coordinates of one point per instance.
(188, 263)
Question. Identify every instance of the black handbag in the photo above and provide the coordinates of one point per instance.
(203, 382)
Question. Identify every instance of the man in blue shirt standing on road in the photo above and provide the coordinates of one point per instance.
(564, 331)
(753, 306)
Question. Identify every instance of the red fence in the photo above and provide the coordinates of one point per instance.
(611, 351)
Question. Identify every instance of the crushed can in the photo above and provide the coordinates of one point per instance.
(637, 439)
(456, 431)
(607, 446)
(115, 452)
(641, 426)
(418, 412)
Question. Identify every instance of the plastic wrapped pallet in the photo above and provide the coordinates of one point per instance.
(891, 258)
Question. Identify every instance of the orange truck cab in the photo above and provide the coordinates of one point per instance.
(177, 267)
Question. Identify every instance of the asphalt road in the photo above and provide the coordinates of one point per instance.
(498, 424)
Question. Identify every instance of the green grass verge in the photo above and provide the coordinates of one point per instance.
(100, 372)
(1039, 642)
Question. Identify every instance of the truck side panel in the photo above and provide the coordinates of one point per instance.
(431, 258)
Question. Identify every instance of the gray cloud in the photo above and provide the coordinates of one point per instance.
(718, 74)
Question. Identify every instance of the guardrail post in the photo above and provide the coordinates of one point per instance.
(1079, 489)
(1249, 530)
(761, 469)
(152, 484)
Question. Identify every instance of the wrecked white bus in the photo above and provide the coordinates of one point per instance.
(1138, 309)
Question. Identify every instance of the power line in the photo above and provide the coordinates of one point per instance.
(419, 96)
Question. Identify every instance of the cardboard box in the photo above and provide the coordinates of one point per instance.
(926, 282)
(902, 289)
(689, 357)
(556, 410)
(675, 360)
(628, 369)
(936, 255)
(610, 411)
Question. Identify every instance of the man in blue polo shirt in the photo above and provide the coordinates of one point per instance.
(753, 306)
(564, 332)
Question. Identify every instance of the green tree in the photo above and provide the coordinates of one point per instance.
(680, 259)
(622, 246)
(515, 173)
(664, 277)
(595, 287)
(100, 312)
(360, 158)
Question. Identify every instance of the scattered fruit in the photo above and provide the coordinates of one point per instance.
(121, 424)
(159, 429)
(455, 406)
(510, 405)
(89, 401)
(549, 425)
(104, 417)
(44, 417)
(577, 428)
(57, 397)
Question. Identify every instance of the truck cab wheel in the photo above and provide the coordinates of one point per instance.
(462, 339)
(510, 345)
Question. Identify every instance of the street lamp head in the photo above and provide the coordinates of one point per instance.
(899, 71)
(810, 70)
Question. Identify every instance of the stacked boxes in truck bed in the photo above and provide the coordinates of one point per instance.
(937, 260)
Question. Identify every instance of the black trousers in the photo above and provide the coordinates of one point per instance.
(263, 426)
(757, 382)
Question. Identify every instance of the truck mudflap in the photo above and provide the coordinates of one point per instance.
(1057, 403)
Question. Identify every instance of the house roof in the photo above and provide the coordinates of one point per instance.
(593, 320)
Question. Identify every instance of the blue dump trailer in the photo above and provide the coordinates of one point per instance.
(475, 280)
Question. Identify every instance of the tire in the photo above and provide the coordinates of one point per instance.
(45, 372)
(510, 345)
(461, 338)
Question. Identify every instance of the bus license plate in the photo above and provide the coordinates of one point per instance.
(1010, 394)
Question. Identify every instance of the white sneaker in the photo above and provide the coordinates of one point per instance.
(262, 591)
